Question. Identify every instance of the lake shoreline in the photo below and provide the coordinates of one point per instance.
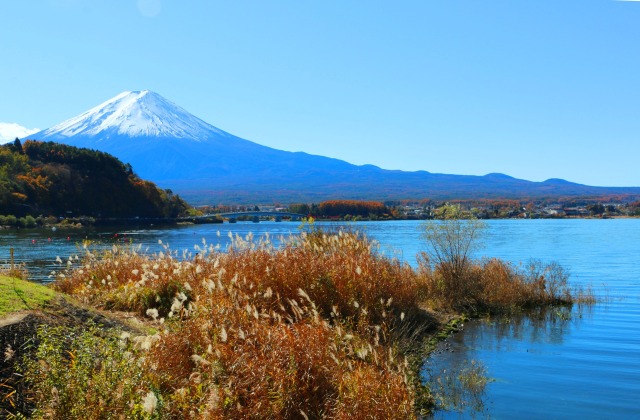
(595, 251)
(128, 223)
(327, 285)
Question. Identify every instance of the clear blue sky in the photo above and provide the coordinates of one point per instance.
(535, 89)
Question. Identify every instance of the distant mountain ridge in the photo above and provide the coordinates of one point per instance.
(166, 144)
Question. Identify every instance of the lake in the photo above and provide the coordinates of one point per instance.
(582, 363)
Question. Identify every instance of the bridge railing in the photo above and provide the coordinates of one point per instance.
(277, 214)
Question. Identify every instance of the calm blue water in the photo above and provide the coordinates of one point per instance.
(584, 364)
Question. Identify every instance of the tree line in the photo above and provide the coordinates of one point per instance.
(342, 208)
(52, 179)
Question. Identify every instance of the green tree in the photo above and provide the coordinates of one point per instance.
(596, 209)
(17, 146)
(30, 221)
(300, 208)
(452, 212)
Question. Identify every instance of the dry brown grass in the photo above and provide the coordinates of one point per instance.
(494, 286)
(319, 327)
(456, 282)
(308, 329)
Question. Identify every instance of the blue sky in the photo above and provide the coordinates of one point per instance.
(534, 89)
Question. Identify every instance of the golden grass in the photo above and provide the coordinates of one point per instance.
(493, 286)
(320, 327)
(258, 332)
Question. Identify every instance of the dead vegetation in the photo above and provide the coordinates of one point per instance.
(322, 326)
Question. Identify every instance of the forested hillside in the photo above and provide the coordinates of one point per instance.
(51, 179)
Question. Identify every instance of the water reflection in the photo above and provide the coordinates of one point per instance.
(460, 388)
(544, 325)
(461, 383)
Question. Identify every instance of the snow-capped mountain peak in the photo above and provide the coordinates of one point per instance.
(134, 114)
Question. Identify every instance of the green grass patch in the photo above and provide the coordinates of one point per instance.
(17, 295)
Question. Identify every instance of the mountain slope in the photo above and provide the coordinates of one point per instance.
(135, 114)
(168, 145)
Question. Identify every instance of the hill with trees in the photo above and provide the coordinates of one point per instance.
(52, 179)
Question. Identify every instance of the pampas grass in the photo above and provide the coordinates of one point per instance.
(322, 326)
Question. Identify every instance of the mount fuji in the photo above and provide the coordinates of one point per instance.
(135, 114)
(166, 144)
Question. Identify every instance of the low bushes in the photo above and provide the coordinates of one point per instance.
(456, 282)
(492, 286)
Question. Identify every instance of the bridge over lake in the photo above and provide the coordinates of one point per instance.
(257, 215)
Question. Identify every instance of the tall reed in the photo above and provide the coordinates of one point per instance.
(318, 327)
(305, 329)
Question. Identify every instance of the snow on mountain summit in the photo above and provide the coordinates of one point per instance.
(134, 114)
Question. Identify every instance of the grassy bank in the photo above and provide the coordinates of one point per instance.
(18, 295)
(323, 326)
(26, 307)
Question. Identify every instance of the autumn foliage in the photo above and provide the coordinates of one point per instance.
(46, 178)
(338, 208)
